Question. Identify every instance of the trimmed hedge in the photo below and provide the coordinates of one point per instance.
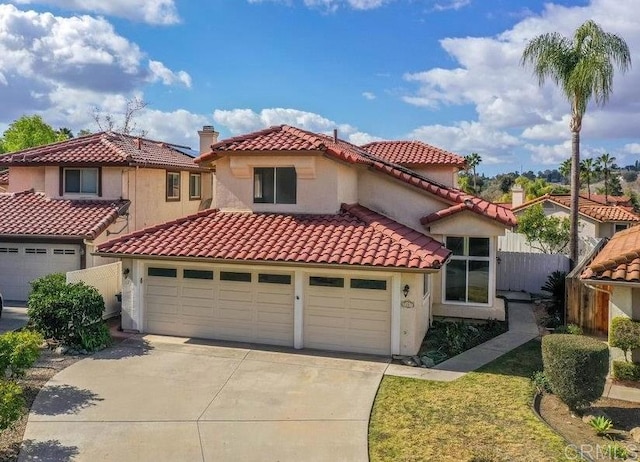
(624, 334)
(623, 370)
(576, 367)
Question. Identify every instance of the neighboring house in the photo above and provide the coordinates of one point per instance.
(4, 180)
(596, 219)
(314, 242)
(616, 270)
(435, 163)
(82, 191)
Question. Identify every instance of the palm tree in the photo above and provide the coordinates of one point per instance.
(605, 163)
(473, 160)
(587, 171)
(583, 67)
(565, 170)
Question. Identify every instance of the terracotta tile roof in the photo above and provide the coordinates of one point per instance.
(475, 205)
(355, 236)
(4, 177)
(611, 200)
(413, 153)
(33, 214)
(286, 138)
(587, 207)
(104, 149)
(619, 260)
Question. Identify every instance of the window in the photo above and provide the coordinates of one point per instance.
(620, 227)
(426, 285)
(374, 284)
(35, 251)
(326, 282)
(173, 186)
(274, 278)
(467, 273)
(232, 276)
(197, 274)
(64, 252)
(8, 250)
(162, 272)
(81, 181)
(274, 185)
(195, 186)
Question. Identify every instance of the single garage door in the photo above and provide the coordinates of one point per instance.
(348, 314)
(22, 263)
(216, 303)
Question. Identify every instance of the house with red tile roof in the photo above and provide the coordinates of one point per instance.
(65, 198)
(615, 269)
(313, 242)
(4, 180)
(597, 219)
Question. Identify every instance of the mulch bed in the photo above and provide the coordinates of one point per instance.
(624, 415)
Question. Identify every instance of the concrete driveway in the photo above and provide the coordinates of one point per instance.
(169, 399)
(13, 317)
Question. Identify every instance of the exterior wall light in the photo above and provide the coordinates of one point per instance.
(405, 290)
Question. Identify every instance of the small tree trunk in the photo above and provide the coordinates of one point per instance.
(575, 194)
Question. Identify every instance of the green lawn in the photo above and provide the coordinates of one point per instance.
(486, 413)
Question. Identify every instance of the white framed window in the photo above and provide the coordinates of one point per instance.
(173, 186)
(620, 227)
(195, 186)
(467, 275)
(81, 181)
(274, 185)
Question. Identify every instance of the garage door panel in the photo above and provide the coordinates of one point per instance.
(236, 293)
(205, 293)
(328, 300)
(159, 289)
(204, 312)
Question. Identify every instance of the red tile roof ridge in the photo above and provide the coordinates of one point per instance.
(51, 147)
(415, 152)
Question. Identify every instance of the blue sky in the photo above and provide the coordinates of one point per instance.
(442, 71)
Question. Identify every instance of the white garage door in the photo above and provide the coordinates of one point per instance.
(245, 306)
(348, 314)
(22, 263)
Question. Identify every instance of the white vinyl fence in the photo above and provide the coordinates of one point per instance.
(107, 279)
(527, 271)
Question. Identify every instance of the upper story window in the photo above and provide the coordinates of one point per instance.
(195, 186)
(274, 185)
(173, 186)
(81, 181)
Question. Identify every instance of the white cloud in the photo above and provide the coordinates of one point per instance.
(632, 148)
(150, 11)
(43, 56)
(451, 5)
(333, 5)
(489, 78)
(368, 95)
(239, 121)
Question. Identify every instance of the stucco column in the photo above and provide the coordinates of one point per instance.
(298, 310)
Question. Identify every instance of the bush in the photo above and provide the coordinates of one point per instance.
(624, 334)
(629, 176)
(11, 403)
(572, 329)
(623, 370)
(63, 311)
(18, 351)
(555, 285)
(540, 382)
(95, 337)
(576, 367)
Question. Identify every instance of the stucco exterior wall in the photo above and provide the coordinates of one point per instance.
(347, 184)
(624, 302)
(447, 176)
(320, 182)
(25, 178)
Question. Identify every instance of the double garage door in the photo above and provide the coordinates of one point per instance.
(22, 263)
(339, 312)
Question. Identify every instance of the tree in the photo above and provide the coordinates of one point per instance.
(605, 163)
(583, 66)
(27, 132)
(548, 234)
(64, 133)
(612, 187)
(108, 122)
(587, 171)
(473, 160)
(565, 170)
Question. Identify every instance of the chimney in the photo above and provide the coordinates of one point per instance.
(517, 195)
(335, 135)
(208, 136)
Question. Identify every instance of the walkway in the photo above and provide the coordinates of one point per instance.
(13, 317)
(522, 328)
(172, 399)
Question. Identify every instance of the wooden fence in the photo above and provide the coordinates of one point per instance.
(524, 271)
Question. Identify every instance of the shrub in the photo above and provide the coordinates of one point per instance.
(572, 329)
(624, 334)
(63, 311)
(541, 382)
(95, 337)
(11, 403)
(576, 367)
(629, 176)
(18, 351)
(623, 370)
(555, 285)
(601, 425)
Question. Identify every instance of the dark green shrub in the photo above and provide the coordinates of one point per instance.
(62, 311)
(576, 367)
(572, 329)
(555, 286)
(624, 334)
(11, 403)
(540, 382)
(623, 370)
(18, 352)
(95, 337)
